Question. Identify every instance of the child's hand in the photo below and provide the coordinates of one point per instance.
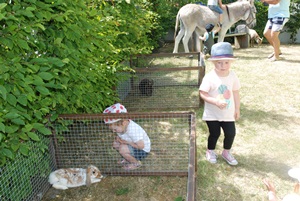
(237, 115)
(269, 185)
(221, 104)
(118, 139)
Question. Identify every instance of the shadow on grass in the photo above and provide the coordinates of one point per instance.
(263, 166)
(209, 187)
(270, 118)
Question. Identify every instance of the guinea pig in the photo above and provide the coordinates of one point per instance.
(146, 87)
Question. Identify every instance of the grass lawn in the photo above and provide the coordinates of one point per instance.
(268, 136)
(267, 143)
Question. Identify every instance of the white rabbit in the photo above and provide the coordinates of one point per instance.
(74, 177)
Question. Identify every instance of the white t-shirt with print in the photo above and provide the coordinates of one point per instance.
(136, 133)
(212, 2)
(221, 88)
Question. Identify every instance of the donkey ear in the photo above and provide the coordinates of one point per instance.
(89, 173)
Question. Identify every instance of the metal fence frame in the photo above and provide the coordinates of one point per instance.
(128, 85)
(191, 169)
(26, 178)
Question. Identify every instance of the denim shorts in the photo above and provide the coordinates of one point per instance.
(138, 154)
(215, 8)
(276, 23)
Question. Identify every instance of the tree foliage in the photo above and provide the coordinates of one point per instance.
(293, 24)
(61, 57)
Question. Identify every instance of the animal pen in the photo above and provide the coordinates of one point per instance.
(83, 139)
(157, 83)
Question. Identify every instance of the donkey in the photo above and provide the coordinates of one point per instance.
(194, 17)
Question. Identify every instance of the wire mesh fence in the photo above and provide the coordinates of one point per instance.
(26, 178)
(162, 81)
(81, 140)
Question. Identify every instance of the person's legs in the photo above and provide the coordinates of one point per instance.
(214, 134)
(276, 44)
(218, 10)
(229, 133)
(267, 32)
(278, 24)
(126, 153)
(140, 154)
(133, 156)
(271, 32)
(221, 19)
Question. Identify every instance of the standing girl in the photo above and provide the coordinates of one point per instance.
(220, 92)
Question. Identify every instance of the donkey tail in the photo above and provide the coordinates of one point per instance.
(176, 25)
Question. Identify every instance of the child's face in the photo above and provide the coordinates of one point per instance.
(117, 127)
(222, 66)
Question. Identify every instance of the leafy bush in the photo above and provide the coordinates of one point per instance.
(293, 24)
(61, 57)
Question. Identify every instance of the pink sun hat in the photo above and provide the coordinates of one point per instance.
(115, 108)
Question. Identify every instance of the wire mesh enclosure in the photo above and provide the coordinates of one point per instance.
(85, 139)
(162, 81)
(26, 178)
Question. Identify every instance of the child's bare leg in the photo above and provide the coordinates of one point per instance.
(116, 145)
(125, 152)
(221, 19)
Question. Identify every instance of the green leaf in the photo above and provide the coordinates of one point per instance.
(28, 13)
(23, 44)
(22, 99)
(2, 5)
(38, 125)
(18, 121)
(39, 61)
(40, 26)
(56, 62)
(43, 90)
(45, 131)
(3, 92)
(12, 99)
(11, 129)
(38, 81)
(53, 117)
(1, 137)
(7, 42)
(24, 149)
(38, 115)
(7, 153)
(46, 76)
(15, 146)
(11, 115)
(23, 136)
(33, 136)
(57, 41)
(2, 127)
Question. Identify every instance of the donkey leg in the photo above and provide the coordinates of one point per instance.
(177, 40)
(185, 41)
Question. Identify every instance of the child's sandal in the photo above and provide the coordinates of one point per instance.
(122, 161)
(132, 166)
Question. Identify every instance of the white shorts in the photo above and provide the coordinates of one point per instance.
(276, 24)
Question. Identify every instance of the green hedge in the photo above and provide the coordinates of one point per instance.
(62, 57)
